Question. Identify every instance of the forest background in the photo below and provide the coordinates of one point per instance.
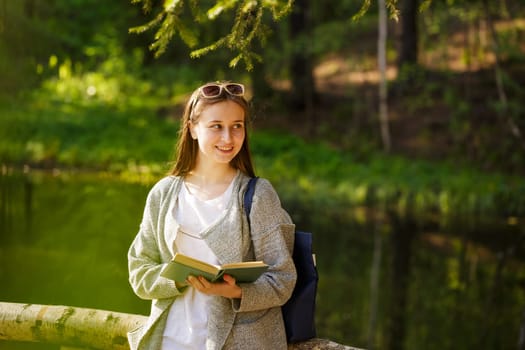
(80, 94)
(455, 70)
(78, 90)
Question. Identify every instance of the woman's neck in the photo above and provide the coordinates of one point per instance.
(209, 184)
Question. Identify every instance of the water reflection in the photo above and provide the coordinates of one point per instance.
(16, 194)
(386, 281)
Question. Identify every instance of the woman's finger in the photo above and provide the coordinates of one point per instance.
(229, 279)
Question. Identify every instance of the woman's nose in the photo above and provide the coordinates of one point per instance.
(226, 134)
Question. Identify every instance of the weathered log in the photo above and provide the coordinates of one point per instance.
(320, 344)
(83, 327)
(66, 325)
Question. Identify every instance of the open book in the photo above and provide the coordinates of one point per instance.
(182, 266)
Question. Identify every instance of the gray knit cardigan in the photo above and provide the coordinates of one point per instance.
(255, 320)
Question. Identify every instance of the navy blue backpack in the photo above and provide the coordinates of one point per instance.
(299, 310)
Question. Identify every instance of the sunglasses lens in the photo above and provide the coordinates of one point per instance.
(214, 90)
(211, 90)
(235, 89)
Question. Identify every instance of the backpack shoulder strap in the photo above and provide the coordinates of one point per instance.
(248, 197)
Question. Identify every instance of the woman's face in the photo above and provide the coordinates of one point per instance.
(220, 132)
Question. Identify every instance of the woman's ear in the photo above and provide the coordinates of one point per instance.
(191, 127)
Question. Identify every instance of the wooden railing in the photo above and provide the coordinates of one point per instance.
(89, 328)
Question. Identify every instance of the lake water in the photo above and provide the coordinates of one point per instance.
(386, 282)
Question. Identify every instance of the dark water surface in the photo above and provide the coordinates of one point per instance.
(386, 282)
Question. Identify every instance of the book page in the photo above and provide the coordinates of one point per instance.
(197, 264)
(244, 264)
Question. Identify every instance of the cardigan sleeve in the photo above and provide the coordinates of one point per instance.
(272, 234)
(144, 256)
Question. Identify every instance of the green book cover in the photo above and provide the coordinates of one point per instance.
(181, 266)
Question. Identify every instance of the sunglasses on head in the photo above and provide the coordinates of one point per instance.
(215, 89)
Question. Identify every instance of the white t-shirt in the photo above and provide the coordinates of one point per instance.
(186, 326)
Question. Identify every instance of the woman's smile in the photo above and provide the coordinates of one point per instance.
(225, 149)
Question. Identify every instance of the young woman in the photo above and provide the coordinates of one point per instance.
(198, 210)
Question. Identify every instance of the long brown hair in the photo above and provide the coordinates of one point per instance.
(187, 148)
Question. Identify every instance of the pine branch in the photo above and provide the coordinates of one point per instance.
(164, 34)
(146, 6)
(247, 26)
(153, 23)
(394, 12)
(390, 4)
(207, 49)
(278, 9)
(364, 9)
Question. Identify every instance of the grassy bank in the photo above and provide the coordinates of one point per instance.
(127, 139)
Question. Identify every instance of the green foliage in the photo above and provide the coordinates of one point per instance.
(75, 135)
(390, 4)
(66, 29)
(247, 26)
(406, 186)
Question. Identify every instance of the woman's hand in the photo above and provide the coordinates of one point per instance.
(226, 288)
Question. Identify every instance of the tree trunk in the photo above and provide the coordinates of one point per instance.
(3, 17)
(29, 8)
(262, 91)
(374, 282)
(521, 336)
(383, 93)
(498, 75)
(403, 232)
(301, 70)
(408, 38)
